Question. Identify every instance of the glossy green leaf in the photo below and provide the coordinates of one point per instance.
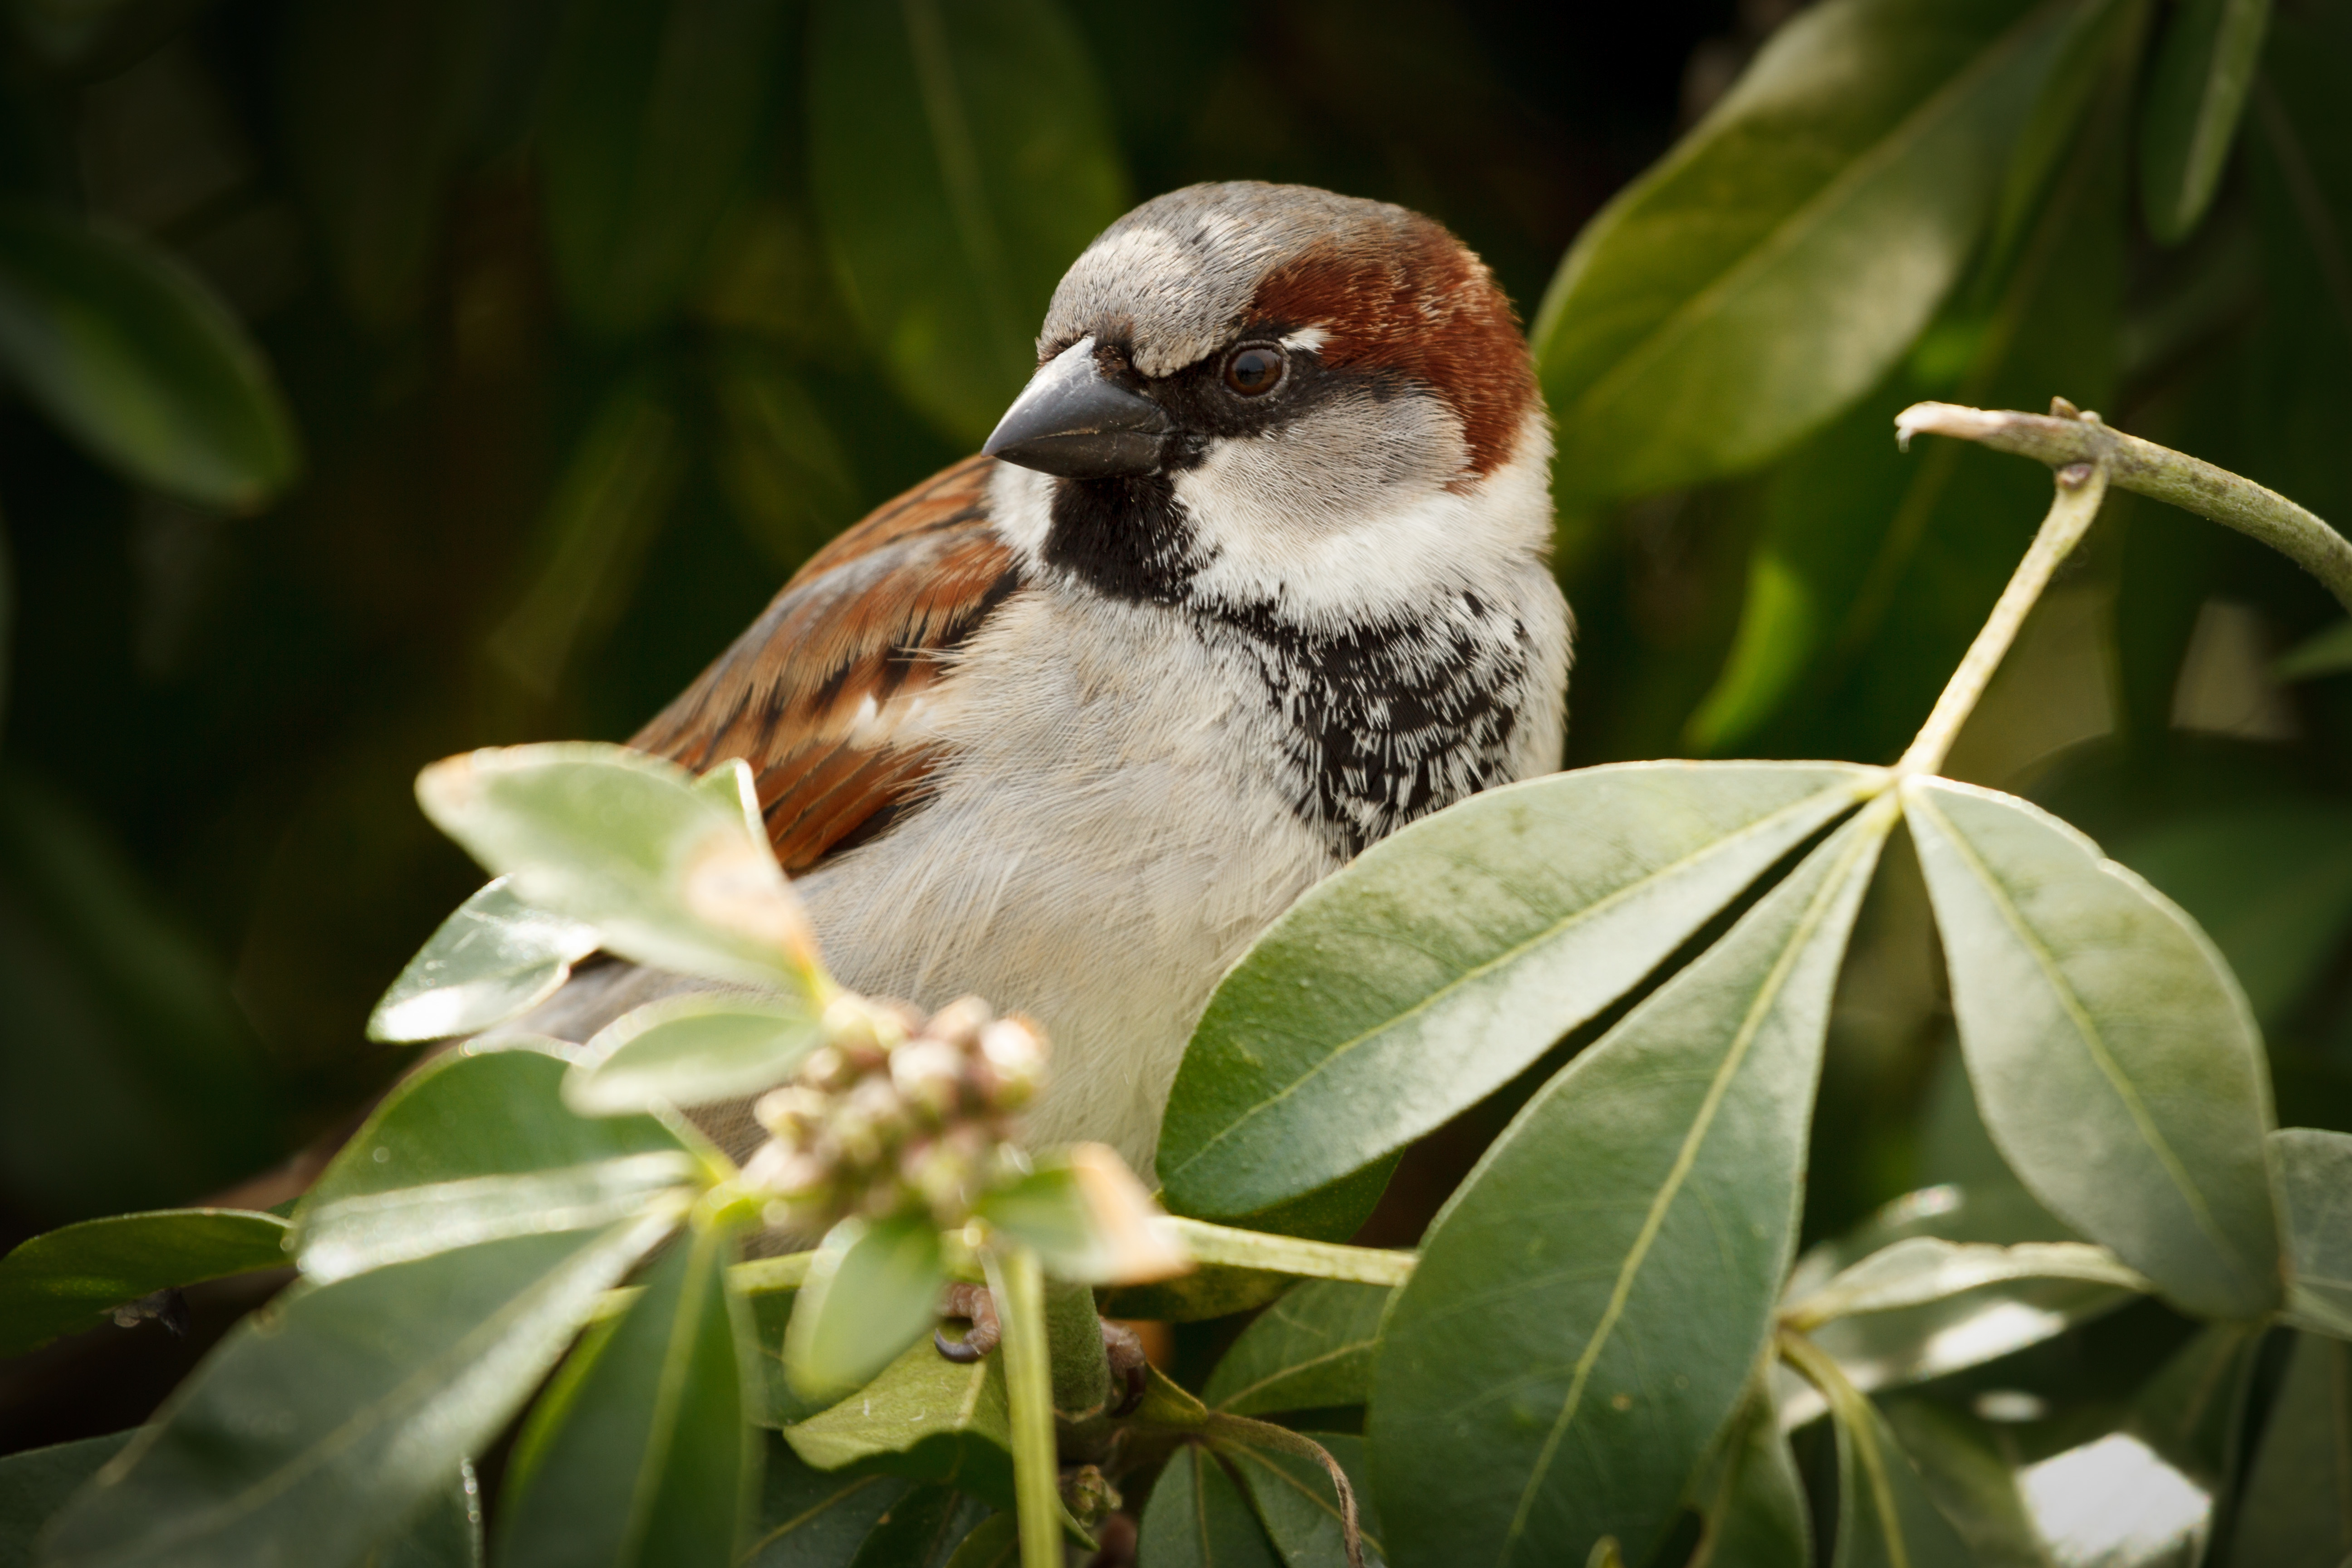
(352, 1236)
(1198, 1519)
(2314, 1178)
(654, 110)
(1885, 1517)
(2296, 1511)
(1753, 1506)
(961, 157)
(447, 1532)
(139, 360)
(732, 785)
(473, 1112)
(1543, 1381)
(1297, 1503)
(690, 1050)
(2111, 1051)
(925, 1418)
(329, 1417)
(624, 842)
(813, 1518)
(1311, 1349)
(1776, 264)
(67, 1279)
(872, 1290)
(494, 958)
(1925, 1270)
(2196, 95)
(650, 1460)
(1410, 986)
(36, 1484)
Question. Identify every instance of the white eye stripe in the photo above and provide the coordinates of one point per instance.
(1310, 339)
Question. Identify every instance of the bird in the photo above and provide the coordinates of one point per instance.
(1252, 574)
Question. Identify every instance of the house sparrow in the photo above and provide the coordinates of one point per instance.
(1253, 573)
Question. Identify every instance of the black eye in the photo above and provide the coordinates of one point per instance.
(1254, 371)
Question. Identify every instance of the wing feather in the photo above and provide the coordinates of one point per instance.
(819, 693)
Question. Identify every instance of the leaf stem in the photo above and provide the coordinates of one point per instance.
(2081, 486)
(1017, 1281)
(1231, 1248)
(2062, 438)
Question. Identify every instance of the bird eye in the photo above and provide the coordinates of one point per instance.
(1254, 371)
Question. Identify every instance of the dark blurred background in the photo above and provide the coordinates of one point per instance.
(592, 318)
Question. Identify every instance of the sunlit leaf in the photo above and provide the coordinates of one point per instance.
(2196, 94)
(654, 110)
(447, 1532)
(494, 958)
(477, 1112)
(328, 1417)
(1774, 265)
(1296, 1501)
(2314, 1177)
(872, 1289)
(2111, 1052)
(690, 1050)
(1311, 1349)
(625, 842)
(1198, 1519)
(1089, 1217)
(650, 1460)
(961, 155)
(140, 361)
(1522, 1404)
(1410, 986)
(2296, 1511)
(1924, 1269)
(67, 1280)
(1753, 1505)
(925, 1418)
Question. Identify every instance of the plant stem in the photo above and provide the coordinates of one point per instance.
(1018, 1282)
(760, 1275)
(2145, 469)
(1232, 1248)
(2081, 487)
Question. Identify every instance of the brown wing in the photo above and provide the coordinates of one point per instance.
(816, 693)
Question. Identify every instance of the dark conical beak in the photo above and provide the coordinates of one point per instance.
(1069, 421)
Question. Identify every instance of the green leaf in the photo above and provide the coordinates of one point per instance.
(478, 1111)
(961, 156)
(2327, 651)
(1781, 258)
(785, 469)
(496, 957)
(2195, 97)
(67, 1279)
(995, 1545)
(134, 356)
(653, 111)
(1968, 1466)
(327, 1418)
(2111, 1052)
(1754, 1510)
(2296, 1511)
(2314, 1178)
(1311, 1349)
(36, 1484)
(1296, 1503)
(1421, 978)
(352, 1236)
(1544, 1380)
(872, 1290)
(925, 1418)
(690, 1050)
(813, 1518)
(1198, 1519)
(1925, 1270)
(625, 842)
(649, 1459)
(447, 1532)
(1885, 1517)
(919, 1532)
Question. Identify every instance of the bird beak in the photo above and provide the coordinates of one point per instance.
(1069, 421)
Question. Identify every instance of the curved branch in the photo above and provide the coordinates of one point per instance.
(2063, 436)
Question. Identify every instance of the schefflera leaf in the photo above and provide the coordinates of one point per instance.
(1410, 986)
(1548, 1377)
(646, 1456)
(328, 1417)
(67, 1279)
(872, 1289)
(1772, 267)
(2196, 95)
(1311, 1349)
(1198, 1519)
(2314, 1171)
(2114, 1058)
(691, 1050)
(494, 958)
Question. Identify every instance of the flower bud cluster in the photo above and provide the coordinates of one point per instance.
(898, 1113)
